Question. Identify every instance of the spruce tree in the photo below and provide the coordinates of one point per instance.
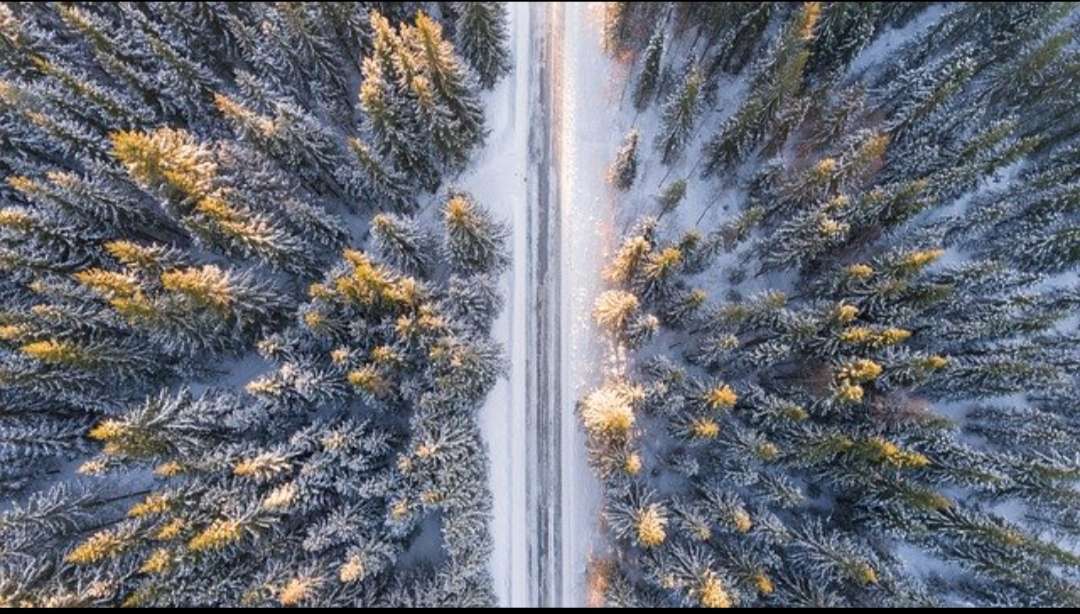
(679, 112)
(623, 169)
(483, 39)
(645, 89)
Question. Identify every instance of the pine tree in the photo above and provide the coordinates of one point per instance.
(623, 169)
(474, 240)
(175, 179)
(645, 89)
(679, 113)
(482, 36)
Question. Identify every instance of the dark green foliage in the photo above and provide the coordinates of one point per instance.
(206, 399)
(873, 403)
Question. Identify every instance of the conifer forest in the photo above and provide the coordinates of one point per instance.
(477, 304)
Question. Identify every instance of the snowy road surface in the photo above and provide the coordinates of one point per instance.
(549, 127)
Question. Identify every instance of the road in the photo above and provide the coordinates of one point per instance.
(545, 498)
(545, 493)
(574, 138)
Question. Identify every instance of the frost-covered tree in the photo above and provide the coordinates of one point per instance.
(679, 112)
(645, 89)
(623, 169)
(483, 39)
(209, 399)
(863, 359)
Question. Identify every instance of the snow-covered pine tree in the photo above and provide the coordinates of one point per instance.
(207, 400)
(679, 113)
(623, 169)
(482, 38)
(802, 435)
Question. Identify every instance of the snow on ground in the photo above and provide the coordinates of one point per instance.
(498, 181)
(588, 135)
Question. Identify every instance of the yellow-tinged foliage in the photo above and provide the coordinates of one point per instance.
(166, 158)
(385, 355)
(169, 469)
(608, 411)
(170, 530)
(837, 203)
(883, 451)
(320, 291)
(157, 503)
(314, 320)
(763, 583)
(935, 362)
(296, 590)
(261, 466)
(12, 332)
(627, 260)
(352, 570)
(892, 336)
(159, 562)
(918, 259)
(232, 109)
(109, 284)
(662, 264)
(767, 451)
(864, 335)
(339, 356)
(16, 219)
(369, 380)
(829, 227)
(405, 292)
(704, 428)
(459, 212)
(852, 393)
(98, 547)
(865, 575)
(721, 397)
(846, 313)
(281, 497)
(825, 168)
(711, 593)
(651, 526)
(614, 308)
(742, 521)
(808, 18)
(219, 534)
(95, 466)
(23, 184)
(856, 335)
(367, 284)
(133, 254)
(632, 466)
(219, 210)
(860, 271)
(56, 352)
(859, 370)
(206, 286)
(399, 510)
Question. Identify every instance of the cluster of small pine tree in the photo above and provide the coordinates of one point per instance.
(876, 404)
(206, 397)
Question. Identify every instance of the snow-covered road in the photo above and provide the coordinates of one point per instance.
(542, 170)
(585, 136)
